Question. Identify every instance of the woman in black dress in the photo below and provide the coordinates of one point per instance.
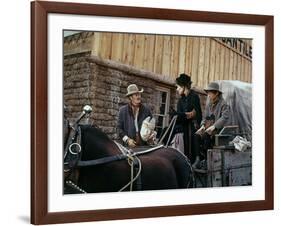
(189, 114)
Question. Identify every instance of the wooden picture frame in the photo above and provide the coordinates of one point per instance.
(39, 112)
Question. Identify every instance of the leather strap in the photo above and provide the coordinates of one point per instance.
(101, 160)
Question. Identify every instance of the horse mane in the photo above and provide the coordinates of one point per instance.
(98, 139)
(97, 132)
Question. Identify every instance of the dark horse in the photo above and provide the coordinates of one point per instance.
(164, 168)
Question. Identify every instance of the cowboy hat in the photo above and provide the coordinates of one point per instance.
(183, 80)
(132, 89)
(213, 86)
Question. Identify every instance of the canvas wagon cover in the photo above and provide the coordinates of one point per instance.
(239, 97)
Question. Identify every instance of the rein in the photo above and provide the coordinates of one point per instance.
(113, 158)
(100, 161)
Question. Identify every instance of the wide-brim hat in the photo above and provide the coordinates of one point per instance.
(132, 89)
(183, 80)
(213, 86)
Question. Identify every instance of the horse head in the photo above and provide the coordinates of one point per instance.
(67, 126)
(96, 144)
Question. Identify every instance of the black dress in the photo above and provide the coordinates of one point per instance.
(188, 126)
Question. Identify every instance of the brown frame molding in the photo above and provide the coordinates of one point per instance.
(39, 107)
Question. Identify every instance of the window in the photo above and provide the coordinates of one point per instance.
(162, 109)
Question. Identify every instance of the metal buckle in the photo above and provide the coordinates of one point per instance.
(72, 151)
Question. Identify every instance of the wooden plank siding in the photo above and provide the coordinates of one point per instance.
(189, 49)
(201, 63)
(195, 60)
(222, 63)
(212, 63)
(182, 54)
(106, 40)
(159, 43)
(231, 62)
(207, 59)
(218, 58)
(167, 56)
(117, 47)
(139, 51)
(235, 64)
(204, 59)
(149, 52)
(226, 62)
(129, 49)
(175, 56)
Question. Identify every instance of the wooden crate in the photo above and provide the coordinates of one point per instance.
(229, 168)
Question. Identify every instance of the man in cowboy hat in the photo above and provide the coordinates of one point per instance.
(131, 117)
(216, 116)
(189, 115)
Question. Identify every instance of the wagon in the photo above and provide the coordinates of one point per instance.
(224, 165)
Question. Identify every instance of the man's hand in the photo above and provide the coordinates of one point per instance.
(152, 139)
(200, 131)
(131, 143)
(210, 130)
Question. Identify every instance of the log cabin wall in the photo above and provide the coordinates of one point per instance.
(205, 59)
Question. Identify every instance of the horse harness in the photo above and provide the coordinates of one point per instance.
(72, 162)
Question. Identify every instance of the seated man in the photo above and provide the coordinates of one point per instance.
(131, 117)
(215, 117)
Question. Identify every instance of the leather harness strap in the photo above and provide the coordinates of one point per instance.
(101, 160)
